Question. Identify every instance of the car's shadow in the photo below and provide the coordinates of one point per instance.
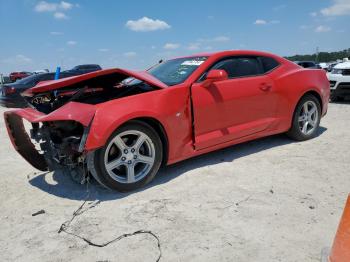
(345, 101)
(61, 185)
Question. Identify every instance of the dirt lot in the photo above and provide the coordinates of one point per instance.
(267, 200)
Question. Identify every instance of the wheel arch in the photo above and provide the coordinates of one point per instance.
(309, 92)
(159, 128)
(315, 94)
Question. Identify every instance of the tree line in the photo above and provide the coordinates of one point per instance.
(321, 56)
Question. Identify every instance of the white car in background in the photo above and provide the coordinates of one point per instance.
(43, 71)
(339, 80)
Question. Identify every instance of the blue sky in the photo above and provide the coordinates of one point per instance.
(136, 34)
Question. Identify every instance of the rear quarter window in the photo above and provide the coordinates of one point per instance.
(268, 63)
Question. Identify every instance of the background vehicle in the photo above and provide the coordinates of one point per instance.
(331, 66)
(4, 79)
(14, 76)
(42, 71)
(308, 64)
(10, 94)
(323, 66)
(83, 69)
(124, 131)
(339, 79)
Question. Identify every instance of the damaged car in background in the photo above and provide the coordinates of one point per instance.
(120, 126)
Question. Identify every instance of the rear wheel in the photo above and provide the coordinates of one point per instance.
(306, 119)
(130, 159)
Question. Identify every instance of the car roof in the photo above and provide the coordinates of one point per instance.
(229, 53)
(344, 65)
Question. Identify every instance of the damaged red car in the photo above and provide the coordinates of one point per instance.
(121, 126)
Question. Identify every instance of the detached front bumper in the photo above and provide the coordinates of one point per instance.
(78, 112)
(21, 141)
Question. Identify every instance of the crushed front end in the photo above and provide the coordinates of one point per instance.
(52, 143)
(61, 112)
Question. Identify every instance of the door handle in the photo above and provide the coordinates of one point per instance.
(265, 87)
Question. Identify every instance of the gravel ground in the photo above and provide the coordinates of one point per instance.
(266, 200)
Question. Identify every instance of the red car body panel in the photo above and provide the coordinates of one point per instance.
(196, 118)
(46, 86)
(74, 111)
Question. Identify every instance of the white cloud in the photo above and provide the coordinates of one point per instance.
(260, 22)
(215, 39)
(56, 8)
(221, 39)
(71, 42)
(130, 54)
(193, 46)
(56, 33)
(65, 5)
(264, 22)
(146, 24)
(23, 59)
(17, 60)
(205, 43)
(208, 48)
(313, 14)
(60, 15)
(339, 7)
(171, 46)
(44, 6)
(322, 29)
(103, 50)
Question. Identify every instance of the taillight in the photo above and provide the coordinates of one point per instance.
(8, 90)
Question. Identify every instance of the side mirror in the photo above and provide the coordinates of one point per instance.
(216, 75)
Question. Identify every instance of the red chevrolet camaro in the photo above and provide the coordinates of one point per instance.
(121, 125)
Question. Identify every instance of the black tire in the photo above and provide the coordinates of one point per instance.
(99, 158)
(295, 132)
(335, 98)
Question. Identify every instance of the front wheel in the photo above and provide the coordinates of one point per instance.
(306, 119)
(130, 159)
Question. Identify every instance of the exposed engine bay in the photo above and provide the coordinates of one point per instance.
(92, 91)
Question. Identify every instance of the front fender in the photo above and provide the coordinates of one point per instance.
(105, 122)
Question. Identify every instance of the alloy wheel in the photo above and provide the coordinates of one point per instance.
(308, 117)
(129, 156)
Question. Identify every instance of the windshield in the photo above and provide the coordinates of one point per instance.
(176, 71)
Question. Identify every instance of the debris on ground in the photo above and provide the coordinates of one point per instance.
(40, 212)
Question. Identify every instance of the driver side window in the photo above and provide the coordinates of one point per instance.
(238, 67)
(226, 65)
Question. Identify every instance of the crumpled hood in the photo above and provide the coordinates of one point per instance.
(124, 74)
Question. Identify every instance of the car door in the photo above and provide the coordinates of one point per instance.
(240, 106)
